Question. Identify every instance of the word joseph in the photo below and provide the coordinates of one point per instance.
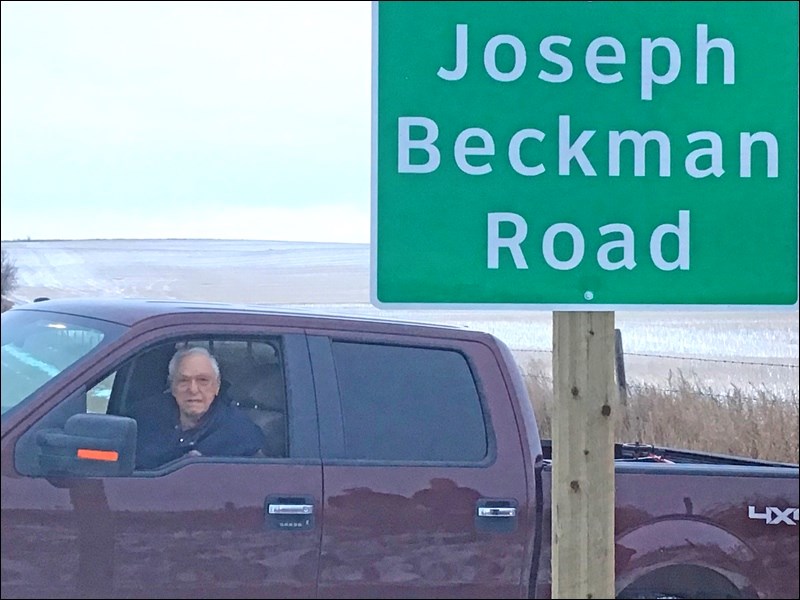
(594, 57)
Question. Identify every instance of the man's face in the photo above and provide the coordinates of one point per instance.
(195, 385)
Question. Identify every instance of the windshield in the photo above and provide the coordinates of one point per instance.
(37, 346)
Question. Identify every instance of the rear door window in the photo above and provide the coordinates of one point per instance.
(402, 403)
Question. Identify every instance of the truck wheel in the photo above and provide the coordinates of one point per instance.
(681, 581)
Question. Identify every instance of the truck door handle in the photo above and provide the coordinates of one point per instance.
(289, 513)
(290, 509)
(497, 515)
(497, 511)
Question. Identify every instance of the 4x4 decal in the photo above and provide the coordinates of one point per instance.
(774, 515)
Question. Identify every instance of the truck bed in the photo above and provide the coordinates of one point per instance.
(649, 453)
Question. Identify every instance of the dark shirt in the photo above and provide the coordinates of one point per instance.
(222, 431)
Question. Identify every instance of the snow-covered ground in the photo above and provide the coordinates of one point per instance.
(717, 349)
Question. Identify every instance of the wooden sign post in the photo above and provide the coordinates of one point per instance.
(585, 408)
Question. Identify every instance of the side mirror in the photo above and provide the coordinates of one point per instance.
(90, 445)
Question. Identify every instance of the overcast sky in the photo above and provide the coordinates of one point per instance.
(236, 120)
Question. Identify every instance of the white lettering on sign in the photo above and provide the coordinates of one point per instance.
(650, 50)
(512, 243)
(577, 243)
(462, 150)
(418, 135)
(549, 246)
(406, 145)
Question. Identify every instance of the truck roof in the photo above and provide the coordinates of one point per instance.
(130, 311)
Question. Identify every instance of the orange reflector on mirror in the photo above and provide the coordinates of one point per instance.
(87, 454)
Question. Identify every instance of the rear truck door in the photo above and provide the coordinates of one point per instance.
(424, 479)
(201, 527)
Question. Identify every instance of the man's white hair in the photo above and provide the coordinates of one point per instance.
(183, 353)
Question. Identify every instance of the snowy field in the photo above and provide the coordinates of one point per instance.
(717, 349)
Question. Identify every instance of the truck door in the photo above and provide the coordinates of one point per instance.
(197, 527)
(425, 486)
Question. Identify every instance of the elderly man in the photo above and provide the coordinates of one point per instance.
(198, 424)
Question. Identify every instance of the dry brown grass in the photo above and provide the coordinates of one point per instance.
(682, 414)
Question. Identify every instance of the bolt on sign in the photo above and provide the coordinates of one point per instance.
(585, 155)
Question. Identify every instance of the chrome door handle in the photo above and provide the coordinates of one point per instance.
(290, 509)
(497, 511)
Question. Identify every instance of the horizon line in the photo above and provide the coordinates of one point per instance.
(176, 239)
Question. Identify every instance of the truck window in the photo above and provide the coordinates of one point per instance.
(97, 397)
(252, 389)
(252, 372)
(38, 346)
(252, 384)
(403, 403)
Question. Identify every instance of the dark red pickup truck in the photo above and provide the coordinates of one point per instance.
(402, 460)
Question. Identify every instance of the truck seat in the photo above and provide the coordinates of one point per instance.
(261, 395)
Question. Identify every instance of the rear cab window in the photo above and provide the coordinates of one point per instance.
(405, 403)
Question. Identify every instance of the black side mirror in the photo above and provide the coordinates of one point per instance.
(90, 445)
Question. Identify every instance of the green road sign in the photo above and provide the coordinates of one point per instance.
(585, 155)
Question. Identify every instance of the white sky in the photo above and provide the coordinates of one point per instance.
(234, 120)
